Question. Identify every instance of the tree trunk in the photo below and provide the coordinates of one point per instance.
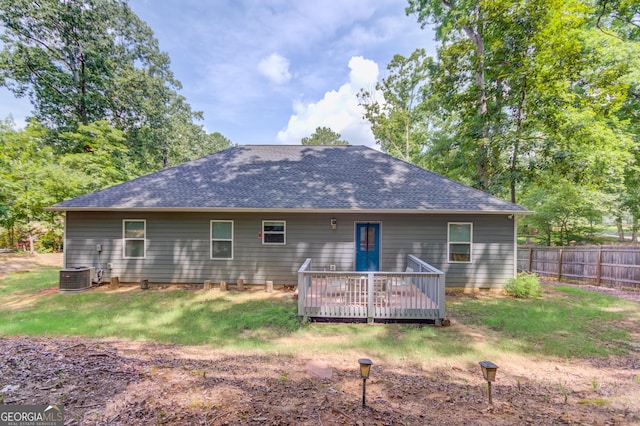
(475, 34)
(516, 143)
(620, 229)
(406, 147)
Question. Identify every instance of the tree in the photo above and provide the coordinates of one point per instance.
(324, 136)
(66, 56)
(397, 119)
(82, 61)
(517, 84)
(25, 164)
(33, 176)
(562, 205)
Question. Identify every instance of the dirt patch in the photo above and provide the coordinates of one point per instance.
(131, 383)
(24, 262)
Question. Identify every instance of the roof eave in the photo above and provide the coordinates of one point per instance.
(284, 210)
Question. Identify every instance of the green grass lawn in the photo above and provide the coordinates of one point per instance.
(577, 323)
(572, 323)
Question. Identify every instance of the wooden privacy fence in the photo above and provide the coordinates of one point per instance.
(614, 266)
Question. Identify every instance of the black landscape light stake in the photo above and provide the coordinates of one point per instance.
(489, 370)
(365, 367)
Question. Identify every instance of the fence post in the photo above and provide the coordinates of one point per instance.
(560, 265)
(599, 268)
(530, 260)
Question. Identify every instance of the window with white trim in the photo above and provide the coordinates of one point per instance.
(460, 240)
(274, 232)
(221, 239)
(134, 236)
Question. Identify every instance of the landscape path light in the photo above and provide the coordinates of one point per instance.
(365, 368)
(489, 370)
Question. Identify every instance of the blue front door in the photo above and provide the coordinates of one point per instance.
(367, 246)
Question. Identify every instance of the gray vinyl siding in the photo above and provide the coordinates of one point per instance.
(178, 246)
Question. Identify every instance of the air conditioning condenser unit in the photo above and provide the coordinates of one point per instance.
(76, 279)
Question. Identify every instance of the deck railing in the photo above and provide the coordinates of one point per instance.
(417, 293)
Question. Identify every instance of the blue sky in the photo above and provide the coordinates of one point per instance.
(271, 71)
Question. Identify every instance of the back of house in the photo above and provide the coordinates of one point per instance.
(257, 213)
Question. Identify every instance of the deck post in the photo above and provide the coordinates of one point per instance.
(370, 308)
(441, 297)
(302, 288)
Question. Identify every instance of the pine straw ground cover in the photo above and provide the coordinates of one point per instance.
(114, 382)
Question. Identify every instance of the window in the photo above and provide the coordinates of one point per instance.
(221, 239)
(134, 237)
(459, 240)
(274, 232)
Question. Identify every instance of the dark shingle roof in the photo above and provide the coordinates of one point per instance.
(276, 177)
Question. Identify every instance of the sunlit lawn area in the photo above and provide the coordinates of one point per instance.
(569, 323)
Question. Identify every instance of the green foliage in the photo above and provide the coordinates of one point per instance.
(51, 240)
(560, 204)
(527, 91)
(324, 136)
(397, 118)
(33, 176)
(524, 286)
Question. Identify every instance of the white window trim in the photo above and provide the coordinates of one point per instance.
(284, 232)
(449, 242)
(211, 239)
(125, 239)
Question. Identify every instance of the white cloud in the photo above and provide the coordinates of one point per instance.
(276, 68)
(338, 110)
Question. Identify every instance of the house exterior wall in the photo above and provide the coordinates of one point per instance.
(178, 246)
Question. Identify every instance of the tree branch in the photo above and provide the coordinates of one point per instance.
(58, 91)
(602, 12)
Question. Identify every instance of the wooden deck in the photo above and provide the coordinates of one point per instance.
(415, 294)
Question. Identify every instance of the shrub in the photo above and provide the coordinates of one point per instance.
(524, 286)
